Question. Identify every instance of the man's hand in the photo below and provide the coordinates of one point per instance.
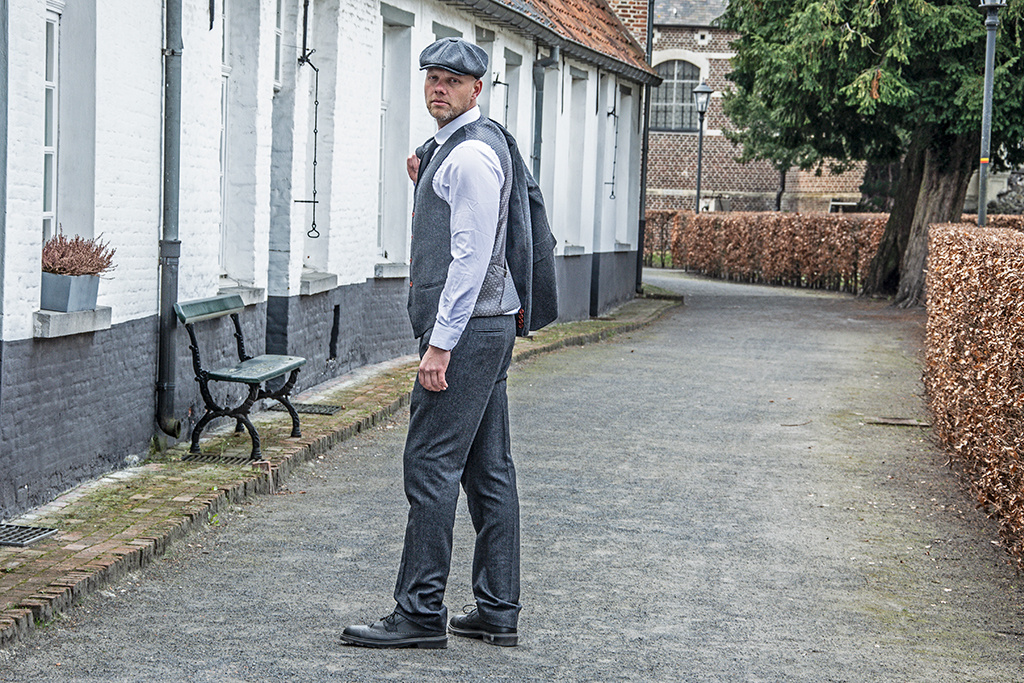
(432, 369)
(412, 167)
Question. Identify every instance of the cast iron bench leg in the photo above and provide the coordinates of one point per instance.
(254, 435)
(241, 415)
(197, 431)
(281, 395)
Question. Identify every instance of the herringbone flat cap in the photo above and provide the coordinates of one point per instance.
(456, 55)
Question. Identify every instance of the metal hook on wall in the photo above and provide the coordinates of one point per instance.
(615, 151)
(304, 58)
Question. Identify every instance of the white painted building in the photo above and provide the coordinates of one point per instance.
(283, 102)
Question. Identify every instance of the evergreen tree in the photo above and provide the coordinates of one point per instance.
(880, 80)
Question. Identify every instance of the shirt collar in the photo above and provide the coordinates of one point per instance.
(442, 135)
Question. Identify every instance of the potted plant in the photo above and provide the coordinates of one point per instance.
(71, 272)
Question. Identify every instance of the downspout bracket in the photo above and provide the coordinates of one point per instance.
(169, 249)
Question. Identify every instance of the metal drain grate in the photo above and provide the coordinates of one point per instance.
(217, 459)
(21, 536)
(313, 408)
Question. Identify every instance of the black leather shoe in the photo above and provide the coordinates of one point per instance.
(470, 625)
(394, 630)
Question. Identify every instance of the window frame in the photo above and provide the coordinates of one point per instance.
(393, 193)
(51, 121)
(680, 106)
(225, 99)
(279, 46)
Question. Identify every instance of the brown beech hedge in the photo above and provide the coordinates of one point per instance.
(974, 361)
(817, 250)
(1009, 221)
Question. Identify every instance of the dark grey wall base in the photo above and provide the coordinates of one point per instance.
(572, 274)
(614, 280)
(73, 408)
(343, 329)
(591, 284)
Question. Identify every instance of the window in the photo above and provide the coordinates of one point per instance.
(51, 85)
(485, 40)
(278, 45)
(672, 101)
(225, 78)
(393, 181)
(578, 114)
(442, 31)
(513, 62)
(386, 69)
(627, 205)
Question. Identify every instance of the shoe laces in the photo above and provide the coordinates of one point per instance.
(391, 621)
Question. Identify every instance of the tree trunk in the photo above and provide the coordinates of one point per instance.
(948, 163)
(932, 186)
(782, 189)
(884, 273)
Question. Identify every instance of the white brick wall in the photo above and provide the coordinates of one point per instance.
(128, 147)
(199, 220)
(289, 130)
(353, 244)
(23, 233)
(251, 40)
(558, 175)
(128, 151)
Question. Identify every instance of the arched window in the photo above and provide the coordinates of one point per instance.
(672, 101)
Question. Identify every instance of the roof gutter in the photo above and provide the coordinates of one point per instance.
(530, 26)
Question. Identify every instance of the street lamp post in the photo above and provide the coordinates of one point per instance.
(991, 8)
(701, 99)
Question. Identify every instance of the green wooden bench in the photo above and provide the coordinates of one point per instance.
(254, 372)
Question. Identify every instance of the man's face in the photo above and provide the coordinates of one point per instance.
(449, 94)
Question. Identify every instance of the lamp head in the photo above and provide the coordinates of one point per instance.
(702, 97)
(992, 4)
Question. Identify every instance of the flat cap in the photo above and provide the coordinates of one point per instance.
(456, 55)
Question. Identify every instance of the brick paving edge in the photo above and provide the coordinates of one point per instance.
(267, 476)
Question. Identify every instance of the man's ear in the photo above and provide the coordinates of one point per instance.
(477, 88)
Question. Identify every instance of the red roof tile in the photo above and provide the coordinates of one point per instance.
(587, 27)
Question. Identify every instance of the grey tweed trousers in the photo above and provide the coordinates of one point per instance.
(461, 435)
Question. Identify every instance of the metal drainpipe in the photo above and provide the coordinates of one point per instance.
(539, 69)
(170, 245)
(645, 146)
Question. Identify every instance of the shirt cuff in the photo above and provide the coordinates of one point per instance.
(444, 338)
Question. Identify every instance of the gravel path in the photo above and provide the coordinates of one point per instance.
(707, 499)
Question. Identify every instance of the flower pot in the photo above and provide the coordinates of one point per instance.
(69, 292)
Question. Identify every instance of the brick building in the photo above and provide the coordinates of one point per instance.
(689, 49)
(282, 102)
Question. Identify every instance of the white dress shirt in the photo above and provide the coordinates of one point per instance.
(469, 180)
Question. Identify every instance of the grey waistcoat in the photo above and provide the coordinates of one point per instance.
(431, 237)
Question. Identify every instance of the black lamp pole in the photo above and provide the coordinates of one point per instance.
(701, 99)
(991, 24)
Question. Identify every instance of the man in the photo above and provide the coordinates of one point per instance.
(462, 304)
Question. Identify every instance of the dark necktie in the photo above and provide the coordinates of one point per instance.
(428, 151)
